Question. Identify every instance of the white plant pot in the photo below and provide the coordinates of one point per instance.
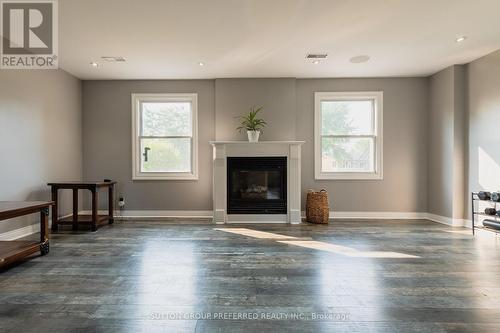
(253, 136)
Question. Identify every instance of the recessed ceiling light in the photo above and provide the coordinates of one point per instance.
(460, 39)
(113, 59)
(94, 64)
(201, 64)
(316, 56)
(359, 59)
(315, 62)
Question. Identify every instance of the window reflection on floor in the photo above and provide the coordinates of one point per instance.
(347, 251)
(255, 233)
(316, 245)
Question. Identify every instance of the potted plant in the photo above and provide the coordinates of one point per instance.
(252, 124)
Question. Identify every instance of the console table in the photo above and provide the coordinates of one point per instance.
(75, 219)
(11, 251)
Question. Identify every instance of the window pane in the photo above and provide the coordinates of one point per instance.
(166, 155)
(347, 155)
(347, 117)
(166, 119)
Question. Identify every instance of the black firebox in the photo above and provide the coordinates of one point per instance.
(256, 185)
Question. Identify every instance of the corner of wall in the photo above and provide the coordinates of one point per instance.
(447, 157)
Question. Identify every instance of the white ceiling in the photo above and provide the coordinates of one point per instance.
(163, 39)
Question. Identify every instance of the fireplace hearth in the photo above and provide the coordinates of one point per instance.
(257, 185)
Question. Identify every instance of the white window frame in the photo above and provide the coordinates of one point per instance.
(377, 97)
(137, 99)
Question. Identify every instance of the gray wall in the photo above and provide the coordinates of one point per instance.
(289, 109)
(440, 166)
(40, 136)
(404, 187)
(464, 140)
(484, 118)
(107, 151)
(446, 143)
(431, 126)
(460, 141)
(236, 96)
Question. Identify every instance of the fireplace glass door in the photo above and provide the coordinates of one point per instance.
(256, 185)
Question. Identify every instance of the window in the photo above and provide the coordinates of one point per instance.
(348, 135)
(164, 132)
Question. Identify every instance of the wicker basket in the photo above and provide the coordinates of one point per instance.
(317, 210)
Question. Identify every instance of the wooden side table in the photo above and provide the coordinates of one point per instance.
(11, 251)
(94, 219)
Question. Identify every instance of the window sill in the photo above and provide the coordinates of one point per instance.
(349, 176)
(165, 177)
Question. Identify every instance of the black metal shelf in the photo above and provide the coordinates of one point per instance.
(475, 198)
(488, 229)
(488, 215)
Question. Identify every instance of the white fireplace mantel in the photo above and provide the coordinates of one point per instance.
(224, 149)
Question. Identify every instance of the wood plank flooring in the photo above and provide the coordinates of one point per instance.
(350, 276)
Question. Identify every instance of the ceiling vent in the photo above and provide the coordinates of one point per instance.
(316, 56)
(113, 59)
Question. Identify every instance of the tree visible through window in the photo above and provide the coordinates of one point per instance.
(348, 140)
(165, 146)
(166, 137)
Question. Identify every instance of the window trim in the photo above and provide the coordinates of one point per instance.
(377, 96)
(136, 132)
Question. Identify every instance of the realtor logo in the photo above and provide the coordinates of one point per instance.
(29, 34)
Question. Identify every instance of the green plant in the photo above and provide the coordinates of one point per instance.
(250, 122)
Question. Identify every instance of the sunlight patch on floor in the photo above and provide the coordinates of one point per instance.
(255, 233)
(315, 245)
(347, 251)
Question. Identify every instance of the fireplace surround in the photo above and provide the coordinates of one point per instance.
(256, 182)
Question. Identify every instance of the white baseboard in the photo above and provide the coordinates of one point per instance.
(449, 220)
(158, 214)
(147, 214)
(378, 215)
(144, 214)
(467, 223)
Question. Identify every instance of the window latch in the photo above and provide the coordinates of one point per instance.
(145, 154)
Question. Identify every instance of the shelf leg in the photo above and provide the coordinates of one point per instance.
(472, 211)
(111, 204)
(54, 208)
(95, 207)
(44, 231)
(44, 225)
(75, 209)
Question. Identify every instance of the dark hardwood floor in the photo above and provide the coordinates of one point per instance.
(349, 276)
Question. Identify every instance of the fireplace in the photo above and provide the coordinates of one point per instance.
(257, 185)
(237, 163)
